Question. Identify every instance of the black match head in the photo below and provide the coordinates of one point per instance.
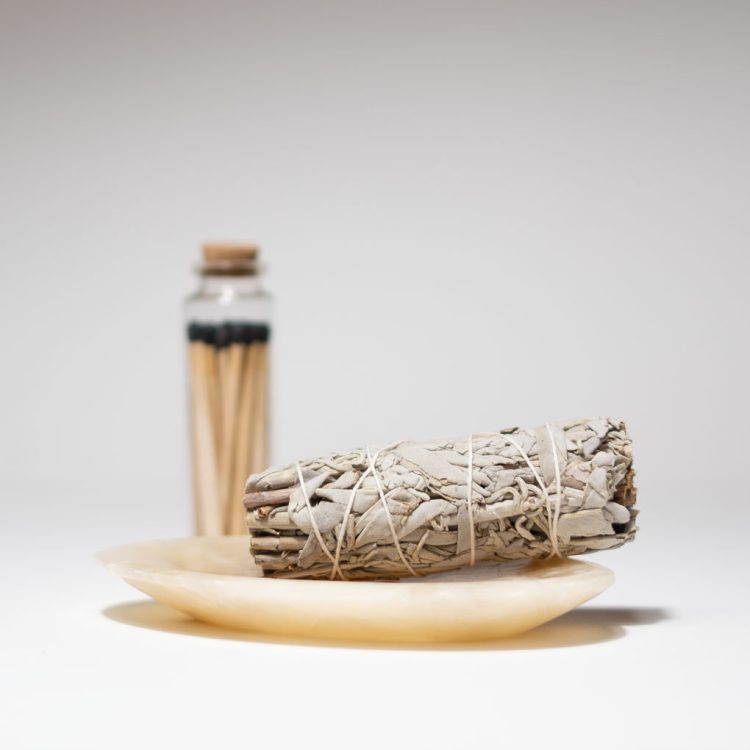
(194, 331)
(209, 333)
(200, 332)
(221, 336)
(249, 333)
(264, 333)
(234, 332)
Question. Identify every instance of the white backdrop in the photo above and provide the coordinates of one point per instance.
(474, 215)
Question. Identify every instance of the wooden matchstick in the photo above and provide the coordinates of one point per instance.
(205, 421)
(199, 500)
(259, 427)
(231, 382)
(243, 435)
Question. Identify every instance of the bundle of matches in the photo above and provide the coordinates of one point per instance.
(229, 418)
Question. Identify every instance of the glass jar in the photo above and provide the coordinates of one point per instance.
(228, 322)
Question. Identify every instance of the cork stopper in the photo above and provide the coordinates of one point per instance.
(229, 259)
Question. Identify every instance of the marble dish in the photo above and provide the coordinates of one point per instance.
(216, 581)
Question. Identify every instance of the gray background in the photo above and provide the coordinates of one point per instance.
(474, 215)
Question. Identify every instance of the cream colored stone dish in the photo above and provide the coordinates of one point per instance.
(216, 581)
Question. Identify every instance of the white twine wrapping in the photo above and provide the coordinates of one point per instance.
(388, 515)
(344, 522)
(313, 522)
(553, 515)
(470, 502)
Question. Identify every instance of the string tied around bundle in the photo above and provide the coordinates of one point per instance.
(336, 557)
(552, 509)
(553, 514)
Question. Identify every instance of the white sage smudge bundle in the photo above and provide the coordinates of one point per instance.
(418, 508)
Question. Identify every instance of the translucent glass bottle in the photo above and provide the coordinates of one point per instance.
(228, 321)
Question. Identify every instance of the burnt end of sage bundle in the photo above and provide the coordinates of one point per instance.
(409, 508)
